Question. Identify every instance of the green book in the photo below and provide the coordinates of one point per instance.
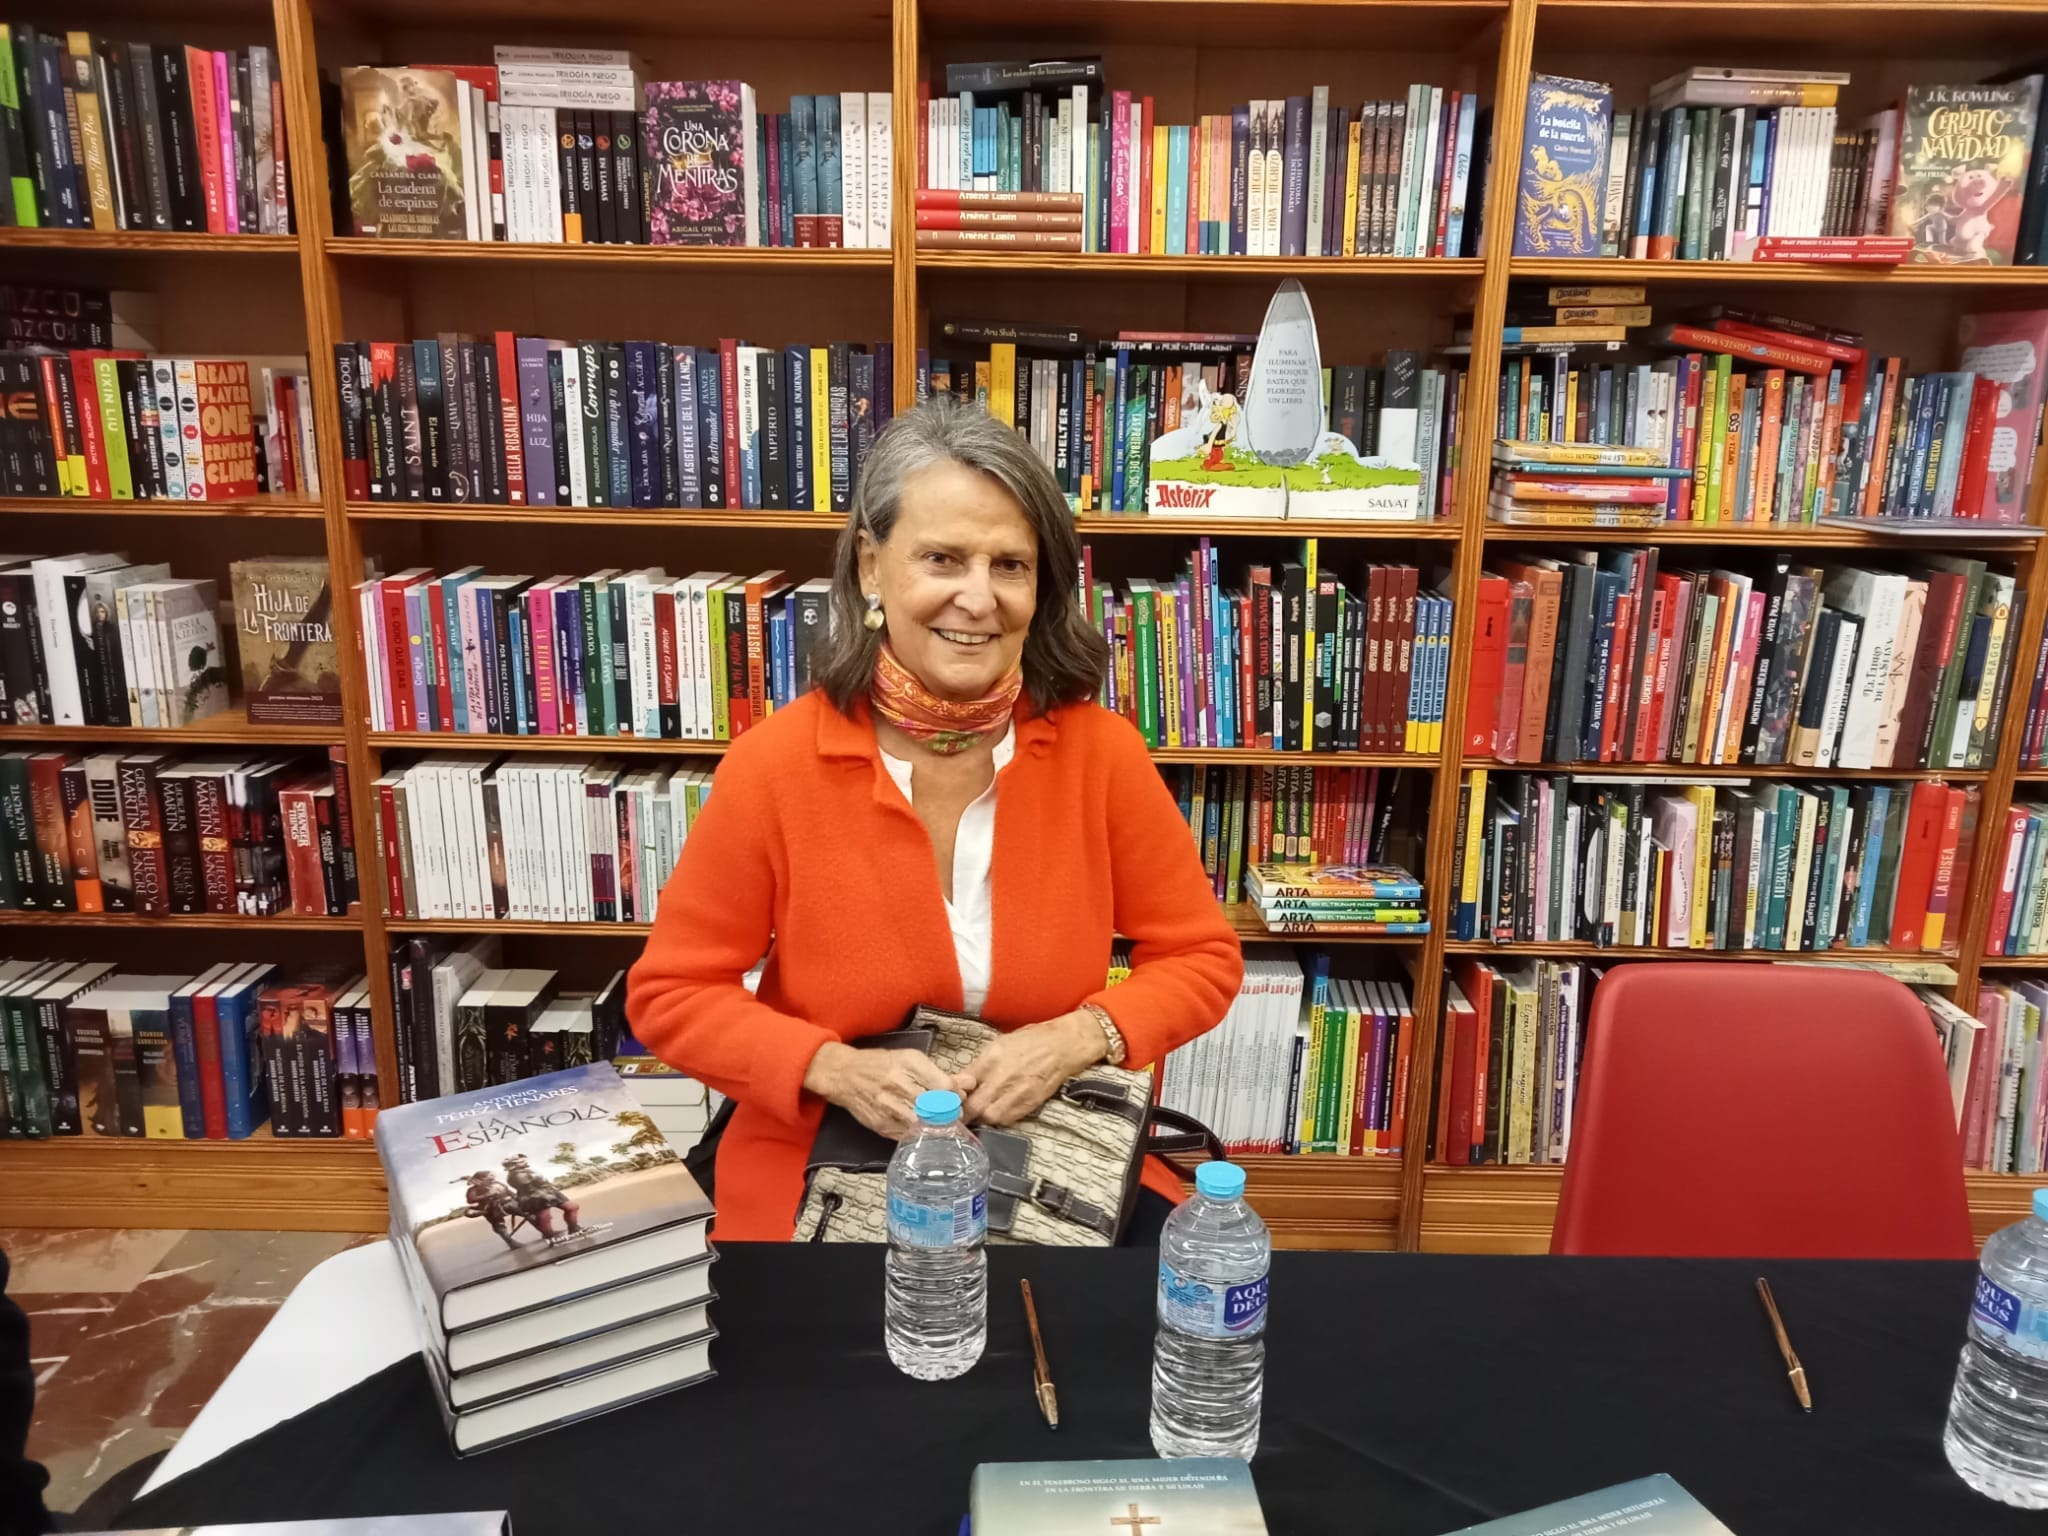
(106, 380)
(1699, 173)
(1784, 839)
(20, 180)
(1720, 382)
(1135, 443)
(1944, 725)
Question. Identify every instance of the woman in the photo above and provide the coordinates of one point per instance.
(947, 818)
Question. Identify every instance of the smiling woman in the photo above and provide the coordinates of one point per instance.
(949, 819)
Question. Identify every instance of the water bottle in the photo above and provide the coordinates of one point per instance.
(1997, 1435)
(936, 1302)
(1209, 1359)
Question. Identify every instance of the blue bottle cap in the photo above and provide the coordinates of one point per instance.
(1220, 1181)
(2041, 1203)
(938, 1106)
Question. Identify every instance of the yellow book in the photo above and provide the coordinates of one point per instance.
(1347, 1087)
(821, 442)
(1308, 648)
(1311, 1074)
(1351, 191)
(1002, 382)
(1569, 425)
(1575, 453)
(1475, 829)
(1169, 663)
(1597, 293)
(1702, 797)
(714, 625)
(1522, 1081)
(83, 95)
(1160, 162)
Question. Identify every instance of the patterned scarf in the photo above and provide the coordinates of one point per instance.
(944, 726)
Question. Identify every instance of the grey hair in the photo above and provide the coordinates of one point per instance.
(1064, 657)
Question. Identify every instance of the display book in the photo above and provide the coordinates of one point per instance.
(1715, 864)
(1213, 1496)
(1651, 1506)
(284, 638)
(1758, 418)
(522, 420)
(107, 135)
(88, 1050)
(157, 833)
(1619, 655)
(1196, 663)
(555, 1249)
(1048, 155)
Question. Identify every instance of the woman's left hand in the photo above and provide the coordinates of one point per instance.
(1018, 1071)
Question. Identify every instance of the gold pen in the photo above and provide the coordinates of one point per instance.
(1793, 1368)
(1041, 1373)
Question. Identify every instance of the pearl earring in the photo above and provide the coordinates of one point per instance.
(872, 619)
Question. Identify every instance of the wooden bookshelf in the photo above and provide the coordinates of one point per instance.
(239, 294)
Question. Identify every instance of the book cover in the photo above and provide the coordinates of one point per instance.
(1213, 1496)
(1651, 1506)
(2010, 348)
(697, 135)
(402, 134)
(1963, 153)
(284, 629)
(1561, 193)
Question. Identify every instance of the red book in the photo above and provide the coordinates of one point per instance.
(1700, 338)
(206, 128)
(1617, 682)
(1977, 448)
(227, 443)
(62, 448)
(949, 197)
(2016, 818)
(91, 428)
(1401, 619)
(1940, 894)
(1489, 662)
(213, 1101)
(397, 648)
(1478, 984)
(1404, 1044)
(924, 148)
(302, 847)
(1454, 1093)
(1924, 818)
(1677, 602)
(394, 871)
(665, 658)
(1939, 625)
(1373, 701)
(729, 408)
(508, 412)
(1688, 439)
(1750, 330)
(1864, 250)
(1980, 1094)
(1247, 659)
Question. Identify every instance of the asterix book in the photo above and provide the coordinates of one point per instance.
(1196, 1495)
(284, 634)
(703, 172)
(1963, 153)
(1649, 1506)
(1559, 191)
(402, 133)
(519, 1196)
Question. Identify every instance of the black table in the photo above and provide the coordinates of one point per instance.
(1404, 1394)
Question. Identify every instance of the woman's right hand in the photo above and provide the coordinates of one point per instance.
(878, 1088)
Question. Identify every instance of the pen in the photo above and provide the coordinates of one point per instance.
(1041, 1373)
(1793, 1368)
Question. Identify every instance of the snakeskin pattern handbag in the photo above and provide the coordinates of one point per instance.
(1067, 1174)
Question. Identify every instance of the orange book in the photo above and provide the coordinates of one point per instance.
(1731, 459)
(758, 590)
(1141, 237)
(1941, 893)
(1830, 442)
(1926, 816)
(1392, 1140)
(1873, 490)
(1717, 665)
(1764, 483)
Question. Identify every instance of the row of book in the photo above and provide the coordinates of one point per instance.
(1051, 157)
(1508, 1061)
(564, 840)
(521, 420)
(106, 135)
(92, 1050)
(2003, 1113)
(2019, 903)
(158, 834)
(568, 146)
(1285, 660)
(1716, 865)
(613, 653)
(1600, 656)
(1247, 818)
(125, 426)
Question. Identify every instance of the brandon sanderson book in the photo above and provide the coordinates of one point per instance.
(402, 132)
(1560, 190)
(284, 633)
(1962, 168)
(697, 135)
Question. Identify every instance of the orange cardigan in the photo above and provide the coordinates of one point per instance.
(806, 839)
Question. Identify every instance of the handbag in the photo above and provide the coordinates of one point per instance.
(1065, 1175)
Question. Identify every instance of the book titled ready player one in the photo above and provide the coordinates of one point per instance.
(1196, 1496)
(1649, 1506)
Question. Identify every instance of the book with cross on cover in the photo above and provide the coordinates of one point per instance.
(1196, 1496)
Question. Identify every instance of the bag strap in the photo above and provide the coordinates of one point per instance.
(1183, 1134)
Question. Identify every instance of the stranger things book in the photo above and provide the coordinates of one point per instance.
(518, 1196)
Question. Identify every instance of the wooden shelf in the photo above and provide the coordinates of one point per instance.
(1256, 756)
(1834, 273)
(223, 729)
(1763, 535)
(1202, 269)
(248, 506)
(283, 922)
(312, 1184)
(750, 258)
(149, 242)
(2031, 776)
(1689, 771)
(1572, 949)
(606, 517)
(1089, 523)
(2014, 962)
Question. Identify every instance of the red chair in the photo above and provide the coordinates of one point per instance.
(1739, 1110)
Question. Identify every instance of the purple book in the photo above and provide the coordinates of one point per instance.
(536, 420)
(697, 136)
(1294, 180)
(1240, 155)
(689, 471)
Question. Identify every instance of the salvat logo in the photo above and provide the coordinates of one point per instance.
(1172, 494)
(1244, 1305)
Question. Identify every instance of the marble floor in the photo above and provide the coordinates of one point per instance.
(132, 1331)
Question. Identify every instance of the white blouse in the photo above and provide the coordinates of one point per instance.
(971, 911)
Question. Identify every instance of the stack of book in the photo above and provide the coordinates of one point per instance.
(556, 1249)
(1197, 664)
(1006, 221)
(1313, 897)
(1720, 865)
(2003, 1115)
(1507, 1082)
(1292, 176)
(1603, 657)
(158, 833)
(88, 1050)
(1242, 817)
(2019, 905)
(108, 135)
(521, 420)
(679, 1105)
(1578, 485)
(568, 146)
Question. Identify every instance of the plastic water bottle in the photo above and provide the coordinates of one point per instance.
(936, 1303)
(1209, 1360)
(1997, 1436)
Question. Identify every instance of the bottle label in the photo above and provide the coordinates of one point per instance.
(1211, 1311)
(2023, 1328)
(937, 1226)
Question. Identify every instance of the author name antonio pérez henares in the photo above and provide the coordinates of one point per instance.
(486, 1124)
(278, 614)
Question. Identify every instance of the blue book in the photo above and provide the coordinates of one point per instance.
(1930, 397)
(1562, 177)
(185, 1053)
(515, 641)
(568, 618)
(1649, 1506)
(1177, 190)
(796, 426)
(689, 470)
(487, 657)
(1121, 363)
(785, 149)
(451, 622)
(241, 1057)
(1876, 810)
(1240, 185)
(803, 124)
(710, 428)
(831, 201)
(643, 416)
(781, 655)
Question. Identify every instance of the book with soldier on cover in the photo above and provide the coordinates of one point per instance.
(402, 131)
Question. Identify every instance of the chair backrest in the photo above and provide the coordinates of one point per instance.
(1734, 1109)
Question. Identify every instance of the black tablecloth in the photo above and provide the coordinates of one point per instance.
(1404, 1394)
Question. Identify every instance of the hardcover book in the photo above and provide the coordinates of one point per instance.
(1197, 1495)
(402, 133)
(1650, 1506)
(699, 142)
(284, 633)
(2010, 348)
(1561, 186)
(516, 1196)
(1963, 153)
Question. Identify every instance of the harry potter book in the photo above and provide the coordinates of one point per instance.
(284, 633)
(1963, 153)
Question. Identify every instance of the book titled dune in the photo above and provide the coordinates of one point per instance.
(698, 138)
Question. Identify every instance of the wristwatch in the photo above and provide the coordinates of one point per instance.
(1113, 1048)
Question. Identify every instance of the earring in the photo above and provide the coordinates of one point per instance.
(872, 619)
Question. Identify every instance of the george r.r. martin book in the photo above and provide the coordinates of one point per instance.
(284, 635)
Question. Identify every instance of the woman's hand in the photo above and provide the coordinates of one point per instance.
(878, 1088)
(1018, 1071)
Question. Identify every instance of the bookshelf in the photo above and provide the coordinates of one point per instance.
(244, 294)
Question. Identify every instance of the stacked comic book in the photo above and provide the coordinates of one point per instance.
(556, 1248)
(1337, 898)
